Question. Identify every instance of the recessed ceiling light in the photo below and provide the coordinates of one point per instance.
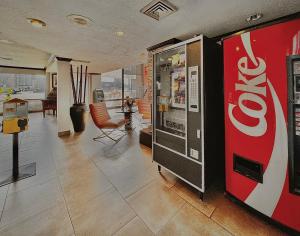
(120, 33)
(79, 20)
(36, 23)
(6, 41)
(254, 17)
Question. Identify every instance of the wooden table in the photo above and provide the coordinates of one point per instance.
(49, 104)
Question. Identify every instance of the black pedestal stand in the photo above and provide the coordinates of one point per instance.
(18, 173)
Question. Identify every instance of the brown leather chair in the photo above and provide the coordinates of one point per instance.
(105, 123)
(50, 102)
(49, 105)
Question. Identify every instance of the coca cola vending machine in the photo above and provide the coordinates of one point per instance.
(262, 119)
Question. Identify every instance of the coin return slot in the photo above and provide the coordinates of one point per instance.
(248, 168)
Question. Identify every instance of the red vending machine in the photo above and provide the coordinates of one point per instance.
(262, 119)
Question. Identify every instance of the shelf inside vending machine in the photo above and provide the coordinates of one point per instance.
(171, 92)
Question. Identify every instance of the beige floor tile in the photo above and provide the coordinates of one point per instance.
(155, 204)
(164, 177)
(66, 170)
(66, 157)
(189, 221)
(3, 193)
(103, 215)
(66, 161)
(131, 156)
(83, 184)
(130, 181)
(191, 195)
(239, 221)
(82, 173)
(40, 155)
(136, 227)
(53, 221)
(127, 177)
(42, 176)
(31, 201)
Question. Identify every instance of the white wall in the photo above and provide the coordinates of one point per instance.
(47, 84)
(64, 94)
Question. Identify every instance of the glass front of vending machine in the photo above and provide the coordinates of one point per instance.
(170, 94)
(294, 122)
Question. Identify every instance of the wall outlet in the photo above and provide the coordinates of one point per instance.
(194, 153)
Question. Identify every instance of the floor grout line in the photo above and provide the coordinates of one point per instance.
(144, 187)
(136, 214)
(173, 216)
(115, 187)
(209, 217)
(121, 227)
(6, 195)
(227, 230)
(63, 194)
(63, 144)
(32, 214)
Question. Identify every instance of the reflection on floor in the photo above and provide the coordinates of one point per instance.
(86, 188)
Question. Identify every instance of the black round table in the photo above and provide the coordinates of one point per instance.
(128, 118)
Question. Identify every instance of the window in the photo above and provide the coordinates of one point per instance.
(111, 83)
(25, 86)
(130, 86)
(121, 83)
(133, 81)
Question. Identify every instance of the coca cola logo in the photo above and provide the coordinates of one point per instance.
(252, 82)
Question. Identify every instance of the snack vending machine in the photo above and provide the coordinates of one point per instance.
(188, 115)
(262, 120)
(293, 63)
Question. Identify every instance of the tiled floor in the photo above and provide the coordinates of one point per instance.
(86, 188)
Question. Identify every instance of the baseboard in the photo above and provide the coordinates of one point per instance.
(64, 133)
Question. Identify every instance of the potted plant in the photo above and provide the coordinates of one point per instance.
(78, 110)
(129, 103)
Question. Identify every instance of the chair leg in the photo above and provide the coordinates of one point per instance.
(108, 135)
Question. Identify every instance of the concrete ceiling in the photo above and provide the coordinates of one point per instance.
(21, 55)
(98, 42)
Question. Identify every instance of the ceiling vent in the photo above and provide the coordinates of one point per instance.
(158, 9)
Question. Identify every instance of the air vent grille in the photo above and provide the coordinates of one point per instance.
(159, 9)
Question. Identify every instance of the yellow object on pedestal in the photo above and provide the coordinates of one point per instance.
(15, 125)
(15, 116)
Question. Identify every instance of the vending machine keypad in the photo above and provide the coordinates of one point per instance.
(297, 121)
(294, 130)
(297, 97)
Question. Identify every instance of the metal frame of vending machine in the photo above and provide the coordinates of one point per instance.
(293, 65)
(188, 115)
(261, 100)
